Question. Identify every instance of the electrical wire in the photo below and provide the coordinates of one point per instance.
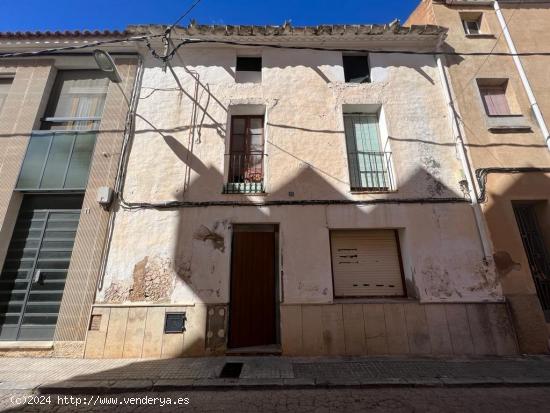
(308, 202)
(491, 52)
(186, 41)
(171, 27)
(483, 173)
(46, 52)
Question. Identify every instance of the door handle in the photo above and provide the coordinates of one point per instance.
(37, 276)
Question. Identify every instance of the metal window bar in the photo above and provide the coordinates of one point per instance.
(246, 173)
(537, 253)
(370, 171)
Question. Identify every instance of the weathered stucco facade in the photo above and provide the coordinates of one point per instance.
(164, 259)
(514, 162)
(161, 270)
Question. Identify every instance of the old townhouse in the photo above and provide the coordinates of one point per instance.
(502, 106)
(286, 200)
(228, 190)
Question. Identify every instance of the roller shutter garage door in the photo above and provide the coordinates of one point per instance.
(33, 278)
(366, 263)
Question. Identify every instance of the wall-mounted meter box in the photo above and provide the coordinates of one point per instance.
(105, 196)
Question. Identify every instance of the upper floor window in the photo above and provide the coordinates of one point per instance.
(494, 99)
(356, 68)
(59, 155)
(249, 69)
(76, 101)
(369, 164)
(472, 26)
(5, 84)
(246, 155)
(472, 23)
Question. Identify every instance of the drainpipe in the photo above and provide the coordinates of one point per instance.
(486, 244)
(522, 75)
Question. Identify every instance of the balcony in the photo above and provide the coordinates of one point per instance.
(371, 171)
(57, 160)
(246, 173)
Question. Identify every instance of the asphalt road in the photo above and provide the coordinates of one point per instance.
(480, 399)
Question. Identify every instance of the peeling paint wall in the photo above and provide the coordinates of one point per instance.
(505, 148)
(182, 256)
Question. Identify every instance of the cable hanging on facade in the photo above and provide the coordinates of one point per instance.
(186, 41)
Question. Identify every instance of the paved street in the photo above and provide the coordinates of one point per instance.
(519, 399)
(97, 376)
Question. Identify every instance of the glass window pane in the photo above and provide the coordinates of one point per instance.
(238, 125)
(54, 173)
(77, 94)
(256, 125)
(237, 143)
(79, 167)
(31, 171)
(256, 143)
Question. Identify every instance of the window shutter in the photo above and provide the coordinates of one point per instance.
(495, 101)
(367, 161)
(366, 263)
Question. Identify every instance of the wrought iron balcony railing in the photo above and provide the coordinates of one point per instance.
(370, 171)
(543, 291)
(246, 173)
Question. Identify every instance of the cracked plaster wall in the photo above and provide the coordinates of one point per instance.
(303, 93)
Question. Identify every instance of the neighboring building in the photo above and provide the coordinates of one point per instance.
(295, 200)
(502, 103)
(61, 128)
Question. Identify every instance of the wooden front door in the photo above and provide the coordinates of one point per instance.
(253, 287)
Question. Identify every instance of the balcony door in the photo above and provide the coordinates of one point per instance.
(246, 157)
(369, 163)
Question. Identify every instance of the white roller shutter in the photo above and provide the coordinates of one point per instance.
(366, 263)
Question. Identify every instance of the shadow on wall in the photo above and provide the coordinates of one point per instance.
(521, 255)
(309, 183)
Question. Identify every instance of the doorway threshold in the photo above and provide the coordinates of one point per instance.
(268, 350)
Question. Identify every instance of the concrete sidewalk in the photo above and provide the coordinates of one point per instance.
(56, 375)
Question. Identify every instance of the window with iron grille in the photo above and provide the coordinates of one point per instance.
(59, 155)
(369, 165)
(246, 155)
(536, 251)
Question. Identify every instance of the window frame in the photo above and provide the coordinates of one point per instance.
(231, 186)
(9, 81)
(347, 76)
(247, 75)
(67, 164)
(48, 131)
(353, 158)
(467, 21)
(48, 122)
